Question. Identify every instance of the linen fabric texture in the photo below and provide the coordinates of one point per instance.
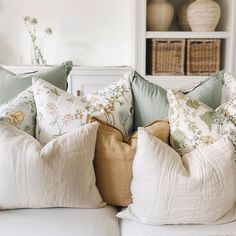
(60, 174)
(114, 158)
(199, 188)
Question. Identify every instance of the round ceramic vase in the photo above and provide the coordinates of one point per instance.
(159, 15)
(203, 15)
(182, 19)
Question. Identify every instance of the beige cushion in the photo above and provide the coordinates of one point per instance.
(60, 174)
(114, 158)
(198, 188)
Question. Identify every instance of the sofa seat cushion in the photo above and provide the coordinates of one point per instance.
(60, 222)
(132, 228)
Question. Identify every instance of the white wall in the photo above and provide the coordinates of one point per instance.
(97, 32)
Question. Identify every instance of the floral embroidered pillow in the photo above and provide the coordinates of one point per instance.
(59, 112)
(193, 124)
(20, 112)
(116, 103)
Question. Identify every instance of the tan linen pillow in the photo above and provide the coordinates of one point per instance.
(60, 174)
(113, 161)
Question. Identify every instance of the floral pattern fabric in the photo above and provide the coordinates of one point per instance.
(192, 123)
(59, 112)
(20, 112)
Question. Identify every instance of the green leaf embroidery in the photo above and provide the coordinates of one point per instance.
(193, 103)
(209, 118)
(54, 90)
(178, 138)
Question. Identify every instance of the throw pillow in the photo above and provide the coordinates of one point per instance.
(61, 174)
(200, 188)
(150, 100)
(20, 112)
(192, 123)
(113, 161)
(59, 112)
(11, 85)
(229, 87)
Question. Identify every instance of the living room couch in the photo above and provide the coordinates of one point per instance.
(103, 221)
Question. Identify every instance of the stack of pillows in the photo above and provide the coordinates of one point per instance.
(112, 147)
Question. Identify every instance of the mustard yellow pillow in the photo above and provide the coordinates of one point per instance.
(113, 160)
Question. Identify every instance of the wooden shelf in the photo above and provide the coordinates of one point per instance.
(226, 31)
(184, 34)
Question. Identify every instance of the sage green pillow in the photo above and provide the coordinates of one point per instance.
(150, 100)
(11, 84)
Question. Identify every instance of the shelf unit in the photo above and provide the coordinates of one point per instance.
(226, 30)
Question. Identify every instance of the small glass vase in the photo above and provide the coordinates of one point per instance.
(37, 57)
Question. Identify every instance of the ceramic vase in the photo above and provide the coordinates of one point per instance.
(203, 15)
(182, 19)
(159, 15)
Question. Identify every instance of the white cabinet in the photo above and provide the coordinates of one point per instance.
(226, 31)
(82, 80)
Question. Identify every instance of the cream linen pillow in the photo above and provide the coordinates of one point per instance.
(20, 112)
(60, 174)
(59, 112)
(200, 188)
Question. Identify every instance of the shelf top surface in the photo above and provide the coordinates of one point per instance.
(188, 34)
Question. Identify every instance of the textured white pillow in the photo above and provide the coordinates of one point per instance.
(60, 174)
(199, 189)
(20, 112)
(59, 112)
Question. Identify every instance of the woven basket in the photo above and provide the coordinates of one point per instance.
(165, 56)
(203, 56)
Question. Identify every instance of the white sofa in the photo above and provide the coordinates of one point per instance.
(94, 222)
(60, 222)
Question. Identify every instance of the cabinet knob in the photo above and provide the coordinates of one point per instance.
(78, 93)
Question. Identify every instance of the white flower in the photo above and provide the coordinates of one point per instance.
(48, 31)
(26, 18)
(33, 21)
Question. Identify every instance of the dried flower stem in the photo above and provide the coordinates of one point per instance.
(29, 23)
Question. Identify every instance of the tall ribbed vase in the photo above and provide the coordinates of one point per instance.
(159, 15)
(203, 15)
(182, 19)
